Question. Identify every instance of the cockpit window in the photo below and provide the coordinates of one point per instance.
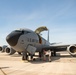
(26, 32)
(18, 31)
(22, 31)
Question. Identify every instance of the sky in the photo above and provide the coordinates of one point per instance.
(59, 16)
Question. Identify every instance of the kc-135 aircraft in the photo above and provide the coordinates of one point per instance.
(27, 41)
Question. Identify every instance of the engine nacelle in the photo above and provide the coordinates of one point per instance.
(72, 50)
(2, 48)
(10, 51)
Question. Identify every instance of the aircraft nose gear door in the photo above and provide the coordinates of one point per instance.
(31, 49)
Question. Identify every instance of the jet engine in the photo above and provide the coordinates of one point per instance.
(10, 51)
(2, 48)
(72, 50)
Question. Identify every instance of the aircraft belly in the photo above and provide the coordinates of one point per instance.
(18, 48)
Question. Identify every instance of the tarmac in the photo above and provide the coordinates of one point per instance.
(62, 64)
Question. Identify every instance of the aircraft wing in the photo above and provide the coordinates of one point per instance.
(70, 48)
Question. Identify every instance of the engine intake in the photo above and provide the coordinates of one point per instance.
(72, 50)
(0, 48)
(7, 50)
(10, 51)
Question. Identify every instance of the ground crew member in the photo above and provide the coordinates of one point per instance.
(44, 55)
(47, 53)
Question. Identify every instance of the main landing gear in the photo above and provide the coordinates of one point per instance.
(53, 53)
(25, 56)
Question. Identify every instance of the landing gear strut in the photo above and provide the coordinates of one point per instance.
(53, 53)
(40, 55)
(24, 56)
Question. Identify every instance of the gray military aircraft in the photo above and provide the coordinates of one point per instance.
(28, 41)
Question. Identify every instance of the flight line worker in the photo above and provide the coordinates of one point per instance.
(47, 53)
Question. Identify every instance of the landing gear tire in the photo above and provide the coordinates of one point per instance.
(23, 58)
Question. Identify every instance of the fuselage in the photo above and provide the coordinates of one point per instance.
(20, 39)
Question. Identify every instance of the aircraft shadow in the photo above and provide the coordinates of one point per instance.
(41, 61)
(3, 67)
(53, 58)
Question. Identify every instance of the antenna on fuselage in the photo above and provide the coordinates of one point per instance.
(48, 35)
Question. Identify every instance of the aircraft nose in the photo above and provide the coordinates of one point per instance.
(13, 37)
